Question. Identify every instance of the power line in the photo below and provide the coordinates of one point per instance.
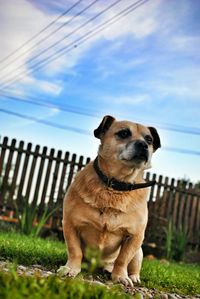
(69, 34)
(44, 103)
(82, 131)
(39, 33)
(76, 42)
(181, 150)
(82, 111)
(46, 122)
(45, 38)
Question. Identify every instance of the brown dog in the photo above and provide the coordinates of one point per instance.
(106, 205)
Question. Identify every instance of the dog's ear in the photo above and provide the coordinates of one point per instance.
(104, 126)
(156, 138)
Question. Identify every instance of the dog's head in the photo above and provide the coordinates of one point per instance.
(126, 142)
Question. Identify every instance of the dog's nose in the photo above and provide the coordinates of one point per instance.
(141, 145)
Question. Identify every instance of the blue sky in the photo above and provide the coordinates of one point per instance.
(143, 68)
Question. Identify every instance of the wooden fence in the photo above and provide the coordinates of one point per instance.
(42, 176)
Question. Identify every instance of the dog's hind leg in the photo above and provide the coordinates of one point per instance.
(135, 265)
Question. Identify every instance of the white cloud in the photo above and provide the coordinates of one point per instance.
(25, 19)
(19, 21)
(183, 83)
(47, 87)
(135, 99)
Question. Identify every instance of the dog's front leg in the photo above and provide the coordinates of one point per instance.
(73, 243)
(129, 248)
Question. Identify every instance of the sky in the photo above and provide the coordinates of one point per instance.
(143, 67)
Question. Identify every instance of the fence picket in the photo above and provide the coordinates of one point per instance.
(3, 152)
(62, 179)
(23, 175)
(32, 171)
(46, 181)
(170, 198)
(15, 174)
(55, 177)
(164, 199)
(5, 185)
(39, 177)
(71, 172)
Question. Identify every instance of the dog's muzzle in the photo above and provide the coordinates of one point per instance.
(141, 151)
(136, 151)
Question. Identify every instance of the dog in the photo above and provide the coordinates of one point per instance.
(106, 205)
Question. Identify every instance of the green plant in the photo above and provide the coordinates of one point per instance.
(169, 233)
(15, 287)
(180, 243)
(175, 242)
(92, 260)
(27, 223)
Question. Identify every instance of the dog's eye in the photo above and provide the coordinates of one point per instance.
(148, 139)
(123, 134)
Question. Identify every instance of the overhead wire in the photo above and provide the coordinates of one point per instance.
(38, 33)
(45, 38)
(45, 122)
(47, 104)
(82, 131)
(67, 35)
(82, 111)
(75, 43)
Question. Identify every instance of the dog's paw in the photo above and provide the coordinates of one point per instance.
(68, 271)
(135, 278)
(123, 279)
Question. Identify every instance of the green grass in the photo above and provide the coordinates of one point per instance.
(27, 250)
(15, 287)
(183, 279)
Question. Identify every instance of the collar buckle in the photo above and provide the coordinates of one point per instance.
(111, 183)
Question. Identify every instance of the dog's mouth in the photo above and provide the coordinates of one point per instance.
(140, 157)
(137, 158)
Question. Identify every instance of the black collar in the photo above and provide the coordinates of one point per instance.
(117, 185)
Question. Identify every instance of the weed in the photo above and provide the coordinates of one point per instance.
(27, 219)
(169, 232)
(92, 260)
(175, 242)
(15, 287)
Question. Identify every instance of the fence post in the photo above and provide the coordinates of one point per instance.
(23, 175)
(39, 177)
(16, 171)
(8, 165)
(31, 173)
(46, 181)
(71, 172)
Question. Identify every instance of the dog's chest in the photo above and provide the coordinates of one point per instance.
(106, 227)
(112, 221)
(109, 220)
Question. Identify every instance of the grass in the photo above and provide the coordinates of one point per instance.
(183, 279)
(15, 287)
(27, 250)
